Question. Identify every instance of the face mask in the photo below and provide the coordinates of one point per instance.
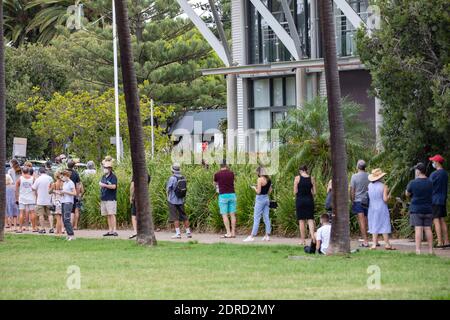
(105, 171)
(434, 165)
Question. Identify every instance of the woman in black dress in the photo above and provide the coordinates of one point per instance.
(304, 190)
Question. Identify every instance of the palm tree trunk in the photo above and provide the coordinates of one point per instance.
(145, 227)
(2, 128)
(340, 229)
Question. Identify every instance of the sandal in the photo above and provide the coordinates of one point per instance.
(364, 245)
(373, 248)
(390, 248)
(225, 236)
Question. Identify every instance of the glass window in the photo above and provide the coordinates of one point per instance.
(278, 92)
(261, 93)
(262, 119)
(290, 91)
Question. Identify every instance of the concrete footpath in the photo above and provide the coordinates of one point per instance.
(403, 245)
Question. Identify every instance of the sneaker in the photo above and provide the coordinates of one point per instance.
(176, 236)
(70, 238)
(132, 236)
(108, 234)
(42, 231)
(189, 235)
(266, 238)
(51, 231)
(249, 239)
(114, 234)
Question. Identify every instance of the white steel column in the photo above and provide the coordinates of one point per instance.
(116, 85)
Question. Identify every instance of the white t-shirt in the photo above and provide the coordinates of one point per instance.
(68, 186)
(323, 234)
(26, 193)
(41, 185)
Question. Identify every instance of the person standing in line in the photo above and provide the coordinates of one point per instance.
(68, 193)
(75, 177)
(378, 213)
(43, 201)
(108, 203)
(305, 190)
(133, 207)
(359, 184)
(15, 171)
(90, 169)
(55, 191)
(224, 182)
(439, 178)
(26, 200)
(263, 188)
(176, 189)
(51, 216)
(12, 210)
(329, 200)
(420, 210)
(323, 234)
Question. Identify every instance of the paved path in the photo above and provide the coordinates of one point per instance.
(404, 245)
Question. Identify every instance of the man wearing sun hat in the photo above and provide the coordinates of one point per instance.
(439, 178)
(420, 211)
(108, 203)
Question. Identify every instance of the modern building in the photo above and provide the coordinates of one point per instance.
(276, 60)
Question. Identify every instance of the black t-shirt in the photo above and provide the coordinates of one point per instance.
(421, 190)
(109, 194)
(74, 176)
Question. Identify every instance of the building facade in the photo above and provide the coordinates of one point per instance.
(277, 62)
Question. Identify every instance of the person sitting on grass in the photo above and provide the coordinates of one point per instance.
(420, 210)
(323, 234)
(176, 193)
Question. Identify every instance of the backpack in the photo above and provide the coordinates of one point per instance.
(180, 187)
(311, 248)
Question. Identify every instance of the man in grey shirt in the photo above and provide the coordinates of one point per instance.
(358, 195)
(176, 191)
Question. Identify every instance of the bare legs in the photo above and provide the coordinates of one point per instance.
(362, 221)
(111, 223)
(441, 231)
(418, 236)
(75, 218)
(311, 227)
(226, 222)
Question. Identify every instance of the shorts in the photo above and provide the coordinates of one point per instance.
(133, 209)
(76, 204)
(420, 219)
(108, 208)
(27, 207)
(177, 213)
(439, 211)
(43, 210)
(358, 208)
(227, 203)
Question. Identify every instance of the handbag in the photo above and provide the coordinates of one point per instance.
(273, 204)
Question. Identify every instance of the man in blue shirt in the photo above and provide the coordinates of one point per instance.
(420, 213)
(176, 192)
(108, 203)
(439, 178)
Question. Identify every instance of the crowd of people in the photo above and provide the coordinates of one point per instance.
(32, 196)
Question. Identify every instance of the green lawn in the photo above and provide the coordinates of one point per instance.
(34, 267)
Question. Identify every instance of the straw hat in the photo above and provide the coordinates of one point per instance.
(107, 164)
(176, 169)
(376, 174)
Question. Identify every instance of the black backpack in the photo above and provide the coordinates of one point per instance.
(180, 187)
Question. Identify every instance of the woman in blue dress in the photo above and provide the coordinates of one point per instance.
(378, 215)
(12, 210)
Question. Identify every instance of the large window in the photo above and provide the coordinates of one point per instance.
(270, 98)
(264, 45)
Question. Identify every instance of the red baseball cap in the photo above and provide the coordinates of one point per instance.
(437, 158)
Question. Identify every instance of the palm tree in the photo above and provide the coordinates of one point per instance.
(145, 227)
(2, 128)
(16, 20)
(306, 136)
(340, 230)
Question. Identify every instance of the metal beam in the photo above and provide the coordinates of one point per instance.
(284, 37)
(292, 28)
(204, 30)
(220, 30)
(349, 13)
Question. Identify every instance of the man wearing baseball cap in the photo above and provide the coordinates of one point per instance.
(440, 190)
